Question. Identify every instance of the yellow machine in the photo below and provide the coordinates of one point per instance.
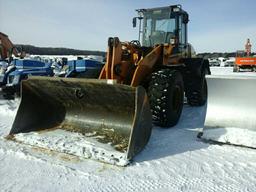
(143, 81)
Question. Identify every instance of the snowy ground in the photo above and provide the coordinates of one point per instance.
(173, 160)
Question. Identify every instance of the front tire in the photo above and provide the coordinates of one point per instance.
(166, 94)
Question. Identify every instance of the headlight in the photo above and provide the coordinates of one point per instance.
(16, 79)
(176, 9)
(13, 79)
(10, 79)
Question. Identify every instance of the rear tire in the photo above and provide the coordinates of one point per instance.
(197, 90)
(166, 94)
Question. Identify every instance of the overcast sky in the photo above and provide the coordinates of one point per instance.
(215, 25)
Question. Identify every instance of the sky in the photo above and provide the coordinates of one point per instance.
(215, 25)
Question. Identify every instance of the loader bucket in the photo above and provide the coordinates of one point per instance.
(92, 118)
(231, 110)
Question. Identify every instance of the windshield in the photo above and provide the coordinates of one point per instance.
(158, 30)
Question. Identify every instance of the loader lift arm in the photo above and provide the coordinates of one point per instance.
(126, 63)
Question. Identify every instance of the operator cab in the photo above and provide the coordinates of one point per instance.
(164, 25)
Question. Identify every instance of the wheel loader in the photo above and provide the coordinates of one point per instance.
(110, 119)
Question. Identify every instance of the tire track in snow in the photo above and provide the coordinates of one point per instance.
(25, 152)
(172, 184)
(175, 164)
(213, 169)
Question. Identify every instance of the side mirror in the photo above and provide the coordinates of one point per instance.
(134, 22)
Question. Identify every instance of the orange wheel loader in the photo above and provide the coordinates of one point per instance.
(110, 118)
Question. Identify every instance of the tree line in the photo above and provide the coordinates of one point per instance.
(30, 49)
(67, 51)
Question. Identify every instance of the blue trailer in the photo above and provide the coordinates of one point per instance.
(84, 68)
(22, 69)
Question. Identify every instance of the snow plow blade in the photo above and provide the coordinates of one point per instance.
(231, 110)
(91, 118)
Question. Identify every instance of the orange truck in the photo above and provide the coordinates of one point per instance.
(244, 60)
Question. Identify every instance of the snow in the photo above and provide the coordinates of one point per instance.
(228, 71)
(234, 135)
(8, 108)
(174, 160)
(75, 144)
